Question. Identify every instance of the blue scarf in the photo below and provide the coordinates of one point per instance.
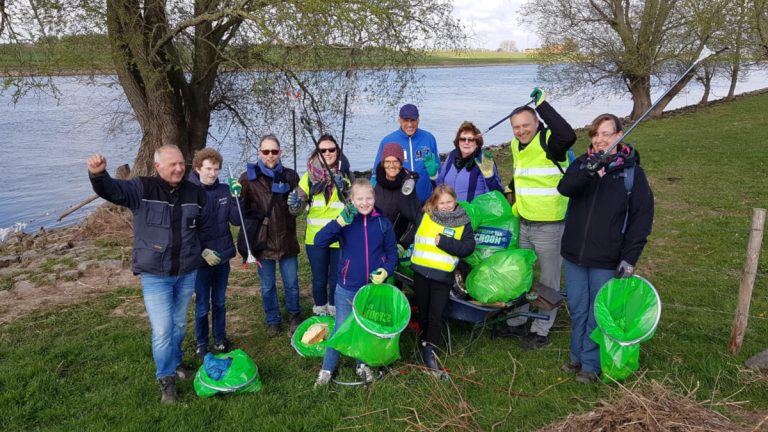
(279, 185)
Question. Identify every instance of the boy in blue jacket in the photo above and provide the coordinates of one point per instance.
(368, 251)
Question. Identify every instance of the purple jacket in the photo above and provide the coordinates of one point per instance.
(366, 244)
(467, 183)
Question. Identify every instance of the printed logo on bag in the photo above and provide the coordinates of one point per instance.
(449, 232)
(490, 237)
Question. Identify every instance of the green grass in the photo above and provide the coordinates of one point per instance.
(85, 367)
(456, 58)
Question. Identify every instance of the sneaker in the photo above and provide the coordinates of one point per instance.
(294, 321)
(365, 373)
(273, 330)
(571, 367)
(323, 378)
(428, 355)
(331, 310)
(535, 341)
(185, 372)
(223, 346)
(519, 331)
(320, 310)
(201, 351)
(587, 377)
(168, 390)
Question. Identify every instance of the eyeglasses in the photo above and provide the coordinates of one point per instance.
(270, 152)
(466, 139)
(395, 162)
(328, 150)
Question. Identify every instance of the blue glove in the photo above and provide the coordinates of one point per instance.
(338, 180)
(347, 215)
(625, 270)
(431, 164)
(216, 368)
(293, 200)
(538, 95)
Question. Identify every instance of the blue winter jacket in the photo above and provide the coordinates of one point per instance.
(467, 183)
(366, 244)
(221, 209)
(415, 147)
(168, 222)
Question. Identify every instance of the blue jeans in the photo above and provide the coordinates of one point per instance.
(344, 300)
(166, 299)
(324, 262)
(289, 272)
(210, 295)
(582, 285)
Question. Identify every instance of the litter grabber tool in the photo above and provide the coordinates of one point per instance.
(533, 100)
(705, 54)
(250, 259)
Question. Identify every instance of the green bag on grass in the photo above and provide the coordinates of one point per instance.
(371, 333)
(241, 377)
(315, 350)
(494, 226)
(627, 312)
(504, 276)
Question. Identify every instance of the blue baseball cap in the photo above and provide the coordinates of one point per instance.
(409, 112)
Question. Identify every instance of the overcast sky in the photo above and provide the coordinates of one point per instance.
(492, 21)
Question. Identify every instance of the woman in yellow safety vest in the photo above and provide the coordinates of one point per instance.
(444, 235)
(321, 194)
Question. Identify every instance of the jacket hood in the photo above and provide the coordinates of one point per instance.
(194, 178)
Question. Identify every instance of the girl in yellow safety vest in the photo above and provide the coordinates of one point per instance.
(444, 235)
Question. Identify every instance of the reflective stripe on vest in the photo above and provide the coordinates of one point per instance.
(536, 179)
(425, 253)
(320, 212)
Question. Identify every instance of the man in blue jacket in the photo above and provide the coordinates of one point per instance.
(420, 150)
(168, 223)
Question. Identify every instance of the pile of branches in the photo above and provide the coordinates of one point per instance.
(108, 222)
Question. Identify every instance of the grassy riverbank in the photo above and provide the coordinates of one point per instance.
(88, 366)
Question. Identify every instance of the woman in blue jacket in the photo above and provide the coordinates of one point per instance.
(468, 169)
(368, 251)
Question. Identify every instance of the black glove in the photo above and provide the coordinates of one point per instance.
(625, 270)
(596, 161)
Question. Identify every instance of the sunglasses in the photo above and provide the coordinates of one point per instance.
(270, 152)
(328, 150)
(466, 139)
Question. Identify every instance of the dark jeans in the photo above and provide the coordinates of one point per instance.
(431, 298)
(210, 294)
(324, 262)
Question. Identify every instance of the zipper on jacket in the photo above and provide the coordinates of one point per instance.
(344, 272)
(589, 218)
(410, 148)
(365, 230)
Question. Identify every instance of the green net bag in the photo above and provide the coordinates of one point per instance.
(627, 312)
(495, 227)
(371, 333)
(313, 350)
(241, 377)
(504, 276)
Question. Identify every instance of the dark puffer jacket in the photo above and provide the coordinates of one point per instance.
(597, 210)
(404, 211)
(221, 209)
(168, 222)
(279, 234)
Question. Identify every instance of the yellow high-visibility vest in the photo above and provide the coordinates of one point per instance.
(320, 211)
(536, 179)
(425, 253)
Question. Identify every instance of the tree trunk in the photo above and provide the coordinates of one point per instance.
(706, 81)
(640, 88)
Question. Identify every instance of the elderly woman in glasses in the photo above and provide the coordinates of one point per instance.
(395, 193)
(323, 194)
(468, 169)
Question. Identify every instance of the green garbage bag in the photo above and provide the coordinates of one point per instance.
(371, 333)
(627, 312)
(241, 377)
(504, 276)
(494, 226)
(315, 350)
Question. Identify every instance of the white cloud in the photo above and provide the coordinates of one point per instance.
(492, 21)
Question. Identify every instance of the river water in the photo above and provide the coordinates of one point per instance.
(46, 142)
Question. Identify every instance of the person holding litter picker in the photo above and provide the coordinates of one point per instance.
(610, 215)
(443, 237)
(368, 251)
(266, 185)
(539, 158)
(468, 169)
(322, 189)
(213, 273)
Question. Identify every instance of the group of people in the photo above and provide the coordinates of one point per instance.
(591, 215)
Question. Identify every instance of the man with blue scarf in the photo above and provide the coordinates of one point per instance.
(266, 185)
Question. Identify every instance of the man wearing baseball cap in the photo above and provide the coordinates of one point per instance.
(419, 149)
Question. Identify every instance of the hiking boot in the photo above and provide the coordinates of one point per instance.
(201, 351)
(331, 310)
(294, 321)
(571, 367)
(223, 346)
(365, 373)
(168, 390)
(587, 377)
(273, 330)
(519, 331)
(428, 355)
(535, 341)
(320, 310)
(323, 378)
(185, 372)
